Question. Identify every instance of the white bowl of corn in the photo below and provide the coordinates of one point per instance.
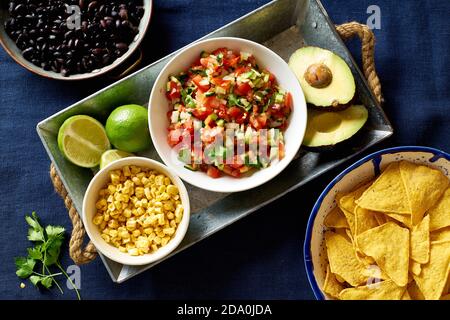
(136, 211)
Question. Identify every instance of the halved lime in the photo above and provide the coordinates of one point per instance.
(113, 155)
(83, 140)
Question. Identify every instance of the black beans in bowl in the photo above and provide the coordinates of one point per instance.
(72, 37)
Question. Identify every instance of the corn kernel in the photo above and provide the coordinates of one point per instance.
(138, 211)
(172, 190)
(136, 233)
(131, 224)
(133, 252)
(113, 224)
(169, 231)
(98, 219)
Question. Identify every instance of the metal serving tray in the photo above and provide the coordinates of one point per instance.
(283, 26)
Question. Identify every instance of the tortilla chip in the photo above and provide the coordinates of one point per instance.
(405, 219)
(364, 220)
(339, 278)
(335, 219)
(342, 259)
(440, 235)
(345, 233)
(415, 267)
(406, 296)
(389, 246)
(433, 278)
(424, 186)
(381, 218)
(350, 220)
(385, 290)
(440, 213)
(414, 291)
(331, 286)
(420, 241)
(372, 271)
(387, 193)
(348, 201)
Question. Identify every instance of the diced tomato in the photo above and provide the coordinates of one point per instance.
(174, 137)
(281, 151)
(237, 163)
(259, 121)
(241, 70)
(213, 172)
(235, 112)
(223, 51)
(231, 62)
(288, 101)
(197, 80)
(242, 89)
(223, 113)
(202, 113)
(174, 92)
(225, 84)
(232, 172)
(211, 102)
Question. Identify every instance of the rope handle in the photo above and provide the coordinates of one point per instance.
(81, 255)
(349, 30)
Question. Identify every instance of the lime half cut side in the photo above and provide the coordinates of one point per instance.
(113, 155)
(83, 140)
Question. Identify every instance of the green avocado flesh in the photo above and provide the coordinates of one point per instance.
(339, 91)
(327, 128)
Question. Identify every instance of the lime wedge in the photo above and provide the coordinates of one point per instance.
(113, 155)
(83, 140)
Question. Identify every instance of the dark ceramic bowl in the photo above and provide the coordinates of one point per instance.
(10, 46)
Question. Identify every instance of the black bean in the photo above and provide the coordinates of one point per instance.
(122, 46)
(28, 53)
(40, 31)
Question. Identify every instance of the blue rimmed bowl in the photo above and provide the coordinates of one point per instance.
(366, 169)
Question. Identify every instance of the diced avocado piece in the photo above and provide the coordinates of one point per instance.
(326, 128)
(220, 122)
(325, 77)
(190, 167)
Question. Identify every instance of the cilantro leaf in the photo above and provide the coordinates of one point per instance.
(47, 282)
(54, 231)
(24, 266)
(35, 279)
(36, 232)
(53, 248)
(36, 235)
(35, 253)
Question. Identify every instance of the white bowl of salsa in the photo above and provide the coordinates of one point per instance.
(227, 114)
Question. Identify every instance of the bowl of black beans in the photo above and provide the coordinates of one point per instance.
(72, 39)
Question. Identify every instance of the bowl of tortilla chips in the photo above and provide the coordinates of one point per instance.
(381, 229)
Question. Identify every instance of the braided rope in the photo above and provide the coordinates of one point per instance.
(351, 29)
(89, 253)
(78, 255)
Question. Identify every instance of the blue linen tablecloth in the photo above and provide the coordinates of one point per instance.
(261, 256)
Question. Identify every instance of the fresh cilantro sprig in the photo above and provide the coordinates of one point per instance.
(45, 253)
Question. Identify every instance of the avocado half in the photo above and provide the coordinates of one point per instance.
(325, 77)
(327, 128)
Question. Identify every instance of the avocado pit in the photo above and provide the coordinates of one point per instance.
(318, 75)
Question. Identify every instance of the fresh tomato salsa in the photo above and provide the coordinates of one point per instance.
(224, 90)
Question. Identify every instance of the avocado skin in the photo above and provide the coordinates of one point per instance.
(347, 137)
(346, 147)
(339, 107)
